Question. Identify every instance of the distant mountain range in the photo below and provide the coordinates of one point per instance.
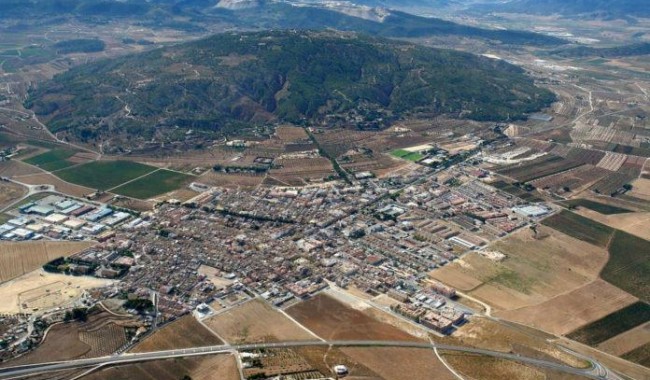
(224, 84)
(196, 15)
(600, 8)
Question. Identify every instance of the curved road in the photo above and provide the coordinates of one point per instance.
(594, 372)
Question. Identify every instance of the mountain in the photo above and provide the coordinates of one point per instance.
(201, 15)
(227, 83)
(610, 52)
(601, 8)
(380, 22)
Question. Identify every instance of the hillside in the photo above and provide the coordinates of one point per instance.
(226, 83)
(604, 8)
(610, 52)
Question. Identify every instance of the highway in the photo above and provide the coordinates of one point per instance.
(596, 371)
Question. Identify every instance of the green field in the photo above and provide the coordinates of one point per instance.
(55, 159)
(640, 355)
(580, 228)
(612, 324)
(595, 206)
(411, 156)
(629, 265)
(104, 175)
(156, 183)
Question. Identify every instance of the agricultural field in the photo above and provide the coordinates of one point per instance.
(299, 171)
(159, 182)
(634, 223)
(529, 275)
(54, 159)
(104, 175)
(256, 321)
(613, 324)
(222, 367)
(601, 208)
(332, 319)
(15, 168)
(42, 289)
(627, 341)
(540, 167)
(101, 334)
(400, 363)
(290, 134)
(182, 333)
(580, 227)
(569, 311)
(517, 191)
(629, 264)
(10, 192)
(322, 359)
(59, 184)
(639, 355)
(18, 258)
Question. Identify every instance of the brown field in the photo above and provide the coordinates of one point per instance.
(534, 271)
(222, 367)
(632, 370)
(182, 333)
(567, 312)
(134, 204)
(212, 178)
(102, 334)
(641, 189)
(488, 368)
(627, 341)
(400, 363)
(10, 192)
(291, 134)
(44, 290)
(331, 320)
(18, 258)
(634, 223)
(59, 184)
(509, 337)
(256, 321)
(13, 169)
(323, 359)
(302, 169)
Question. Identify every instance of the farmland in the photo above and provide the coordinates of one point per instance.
(595, 206)
(613, 324)
(222, 367)
(400, 363)
(159, 182)
(182, 333)
(627, 341)
(59, 184)
(18, 258)
(102, 334)
(581, 228)
(255, 321)
(629, 264)
(640, 355)
(55, 159)
(538, 168)
(487, 368)
(331, 319)
(104, 175)
(525, 277)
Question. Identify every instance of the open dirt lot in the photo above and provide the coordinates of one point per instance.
(213, 178)
(14, 168)
(332, 319)
(222, 367)
(634, 223)
(182, 333)
(10, 192)
(42, 289)
(487, 368)
(567, 312)
(400, 363)
(627, 341)
(59, 184)
(508, 337)
(256, 321)
(18, 258)
(534, 271)
(214, 276)
(290, 134)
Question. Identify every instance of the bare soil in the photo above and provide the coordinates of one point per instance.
(182, 333)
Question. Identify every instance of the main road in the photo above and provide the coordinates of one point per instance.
(595, 371)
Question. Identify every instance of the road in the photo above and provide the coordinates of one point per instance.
(594, 372)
